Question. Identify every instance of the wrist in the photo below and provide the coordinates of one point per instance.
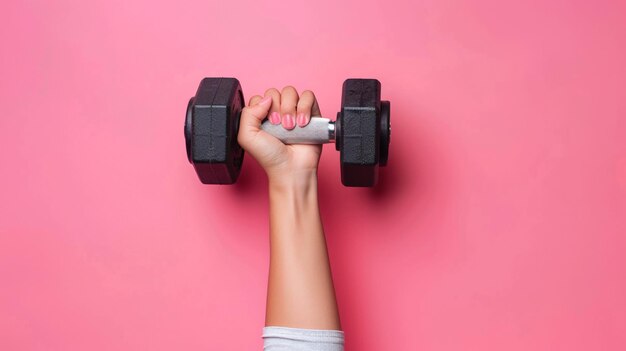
(294, 181)
(294, 205)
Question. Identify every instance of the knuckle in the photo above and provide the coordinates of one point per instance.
(306, 100)
(254, 99)
(272, 91)
(289, 88)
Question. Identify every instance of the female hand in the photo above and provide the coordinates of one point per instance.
(300, 291)
(284, 164)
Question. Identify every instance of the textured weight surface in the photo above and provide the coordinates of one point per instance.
(215, 110)
(359, 141)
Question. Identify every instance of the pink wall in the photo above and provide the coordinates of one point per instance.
(499, 225)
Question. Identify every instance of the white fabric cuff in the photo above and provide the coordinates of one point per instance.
(296, 339)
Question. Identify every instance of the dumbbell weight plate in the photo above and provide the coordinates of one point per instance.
(359, 128)
(188, 122)
(211, 127)
(385, 132)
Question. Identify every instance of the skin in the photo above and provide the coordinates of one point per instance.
(300, 287)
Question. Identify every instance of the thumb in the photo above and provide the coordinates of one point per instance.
(253, 115)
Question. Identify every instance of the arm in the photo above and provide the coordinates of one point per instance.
(300, 291)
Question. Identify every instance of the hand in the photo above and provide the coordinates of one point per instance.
(282, 163)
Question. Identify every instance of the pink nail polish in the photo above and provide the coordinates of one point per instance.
(289, 122)
(301, 119)
(274, 118)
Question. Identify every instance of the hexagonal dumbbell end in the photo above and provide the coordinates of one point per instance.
(362, 132)
(211, 127)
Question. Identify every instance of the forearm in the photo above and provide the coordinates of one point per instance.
(300, 290)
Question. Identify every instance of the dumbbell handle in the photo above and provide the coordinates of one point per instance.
(320, 130)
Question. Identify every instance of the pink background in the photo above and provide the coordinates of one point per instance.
(499, 224)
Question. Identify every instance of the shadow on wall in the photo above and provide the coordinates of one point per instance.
(379, 235)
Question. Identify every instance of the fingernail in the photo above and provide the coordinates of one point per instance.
(301, 119)
(288, 122)
(274, 118)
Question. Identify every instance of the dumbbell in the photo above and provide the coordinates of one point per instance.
(361, 132)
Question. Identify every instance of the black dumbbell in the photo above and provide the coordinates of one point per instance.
(361, 132)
